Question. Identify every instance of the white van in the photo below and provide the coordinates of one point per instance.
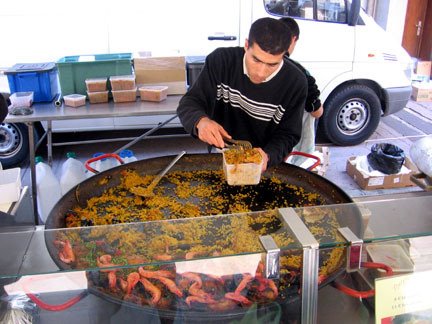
(361, 74)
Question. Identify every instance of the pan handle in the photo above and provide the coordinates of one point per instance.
(368, 293)
(60, 307)
(313, 166)
(100, 157)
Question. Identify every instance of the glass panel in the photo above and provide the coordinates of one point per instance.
(292, 8)
(332, 10)
(151, 243)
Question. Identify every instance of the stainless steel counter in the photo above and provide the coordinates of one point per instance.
(50, 112)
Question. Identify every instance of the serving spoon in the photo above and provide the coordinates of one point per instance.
(148, 191)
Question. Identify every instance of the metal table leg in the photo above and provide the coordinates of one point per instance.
(30, 127)
(49, 142)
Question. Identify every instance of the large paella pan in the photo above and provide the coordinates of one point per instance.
(138, 261)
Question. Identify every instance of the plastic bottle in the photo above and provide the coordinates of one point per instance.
(47, 187)
(99, 165)
(72, 173)
(127, 156)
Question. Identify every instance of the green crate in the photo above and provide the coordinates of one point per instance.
(74, 70)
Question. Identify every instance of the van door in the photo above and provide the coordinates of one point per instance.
(187, 27)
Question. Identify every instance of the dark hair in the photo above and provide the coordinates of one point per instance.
(3, 108)
(270, 34)
(292, 25)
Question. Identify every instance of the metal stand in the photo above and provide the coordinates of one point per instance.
(309, 290)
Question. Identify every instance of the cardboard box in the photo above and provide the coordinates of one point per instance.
(422, 91)
(423, 68)
(162, 71)
(381, 182)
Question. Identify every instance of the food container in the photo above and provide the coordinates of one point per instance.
(22, 99)
(124, 95)
(74, 100)
(98, 97)
(10, 185)
(40, 78)
(122, 82)
(392, 255)
(241, 173)
(96, 84)
(153, 93)
(74, 70)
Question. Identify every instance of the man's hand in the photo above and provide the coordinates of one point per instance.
(265, 159)
(318, 113)
(211, 132)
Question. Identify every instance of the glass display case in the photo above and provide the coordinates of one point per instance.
(289, 265)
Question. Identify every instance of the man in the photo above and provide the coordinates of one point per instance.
(313, 105)
(250, 94)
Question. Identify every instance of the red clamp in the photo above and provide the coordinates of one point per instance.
(100, 157)
(368, 293)
(313, 166)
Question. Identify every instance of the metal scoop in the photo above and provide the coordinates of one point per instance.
(232, 143)
(148, 192)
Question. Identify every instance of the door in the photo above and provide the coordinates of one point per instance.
(414, 26)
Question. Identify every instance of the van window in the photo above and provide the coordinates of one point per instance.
(322, 10)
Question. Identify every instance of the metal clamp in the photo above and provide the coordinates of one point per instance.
(354, 253)
(272, 257)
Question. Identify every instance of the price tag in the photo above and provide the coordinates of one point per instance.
(404, 298)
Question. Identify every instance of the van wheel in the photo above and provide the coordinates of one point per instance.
(14, 144)
(351, 115)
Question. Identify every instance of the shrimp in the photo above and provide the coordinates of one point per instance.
(170, 285)
(238, 298)
(132, 280)
(153, 274)
(193, 276)
(153, 290)
(243, 283)
(66, 253)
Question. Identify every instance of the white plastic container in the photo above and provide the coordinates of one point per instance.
(10, 185)
(48, 188)
(22, 99)
(242, 173)
(73, 172)
(127, 156)
(392, 255)
(74, 100)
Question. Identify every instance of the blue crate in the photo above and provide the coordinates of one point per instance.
(41, 78)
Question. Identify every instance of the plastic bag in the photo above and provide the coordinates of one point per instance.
(307, 140)
(387, 158)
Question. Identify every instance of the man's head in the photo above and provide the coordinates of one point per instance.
(295, 32)
(265, 48)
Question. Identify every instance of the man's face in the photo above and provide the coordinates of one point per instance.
(260, 64)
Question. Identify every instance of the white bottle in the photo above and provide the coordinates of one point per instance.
(73, 172)
(47, 187)
(127, 156)
(95, 165)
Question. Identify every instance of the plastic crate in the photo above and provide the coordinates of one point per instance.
(74, 70)
(40, 78)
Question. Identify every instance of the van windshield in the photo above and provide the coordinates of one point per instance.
(322, 10)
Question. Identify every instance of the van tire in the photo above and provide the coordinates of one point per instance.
(351, 115)
(14, 144)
